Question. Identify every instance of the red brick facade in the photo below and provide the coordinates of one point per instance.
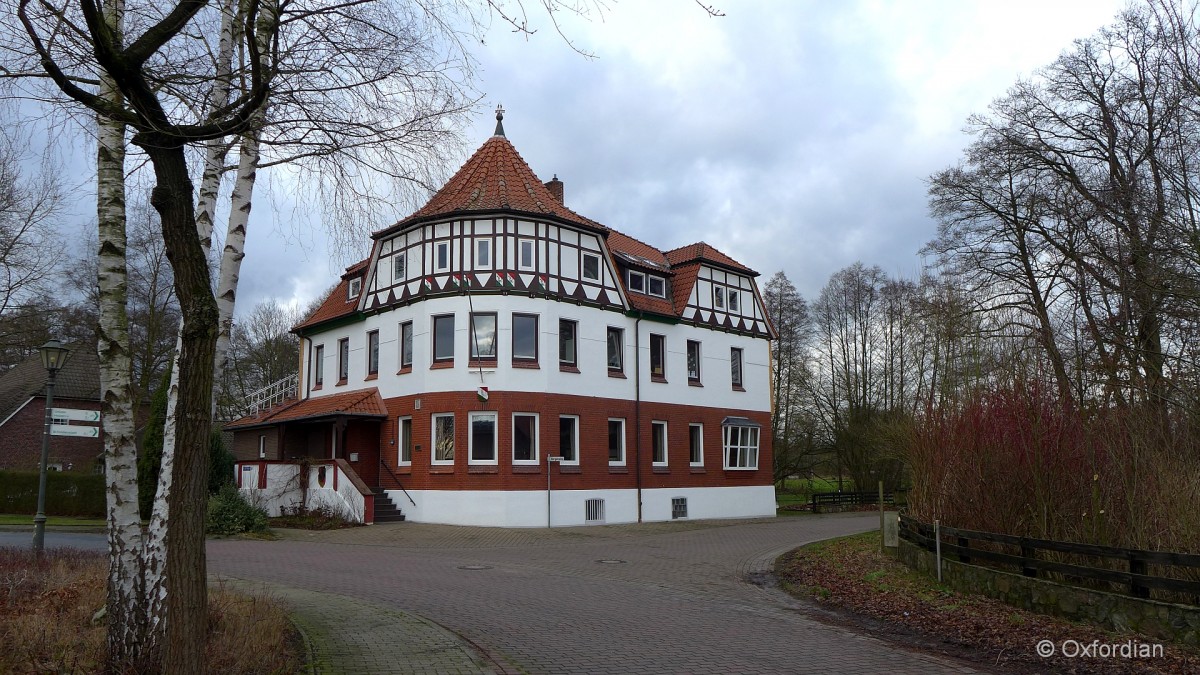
(593, 471)
(21, 440)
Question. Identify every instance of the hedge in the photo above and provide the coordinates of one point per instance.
(67, 494)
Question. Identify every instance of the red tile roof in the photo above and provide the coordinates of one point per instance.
(495, 178)
(359, 403)
(702, 251)
(338, 304)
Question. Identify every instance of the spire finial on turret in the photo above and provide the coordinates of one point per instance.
(499, 120)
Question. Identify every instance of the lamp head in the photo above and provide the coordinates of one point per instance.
(54, 354)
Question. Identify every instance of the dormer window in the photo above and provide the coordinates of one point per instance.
(657, 286)
(483, 253)
(591, 267)
(637, 281)
(355, 288)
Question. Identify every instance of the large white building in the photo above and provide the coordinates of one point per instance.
(502, 360)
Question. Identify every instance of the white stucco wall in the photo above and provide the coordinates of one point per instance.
(528, 508)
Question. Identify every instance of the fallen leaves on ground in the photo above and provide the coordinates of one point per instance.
(873, 590)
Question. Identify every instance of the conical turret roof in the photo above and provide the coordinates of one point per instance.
(495, 178)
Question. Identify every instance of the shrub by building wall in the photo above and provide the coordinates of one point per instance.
(67, 494)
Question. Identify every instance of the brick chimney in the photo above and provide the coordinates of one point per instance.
(555, 186)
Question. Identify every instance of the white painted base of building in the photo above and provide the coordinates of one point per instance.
(529, 508)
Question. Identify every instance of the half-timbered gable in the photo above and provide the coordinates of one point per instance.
(507, 344)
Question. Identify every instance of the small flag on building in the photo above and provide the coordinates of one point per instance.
(429, 283)
(544, 281)
(482, 393)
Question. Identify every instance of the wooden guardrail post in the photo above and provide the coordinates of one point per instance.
(1137, 566)
(1028, 553)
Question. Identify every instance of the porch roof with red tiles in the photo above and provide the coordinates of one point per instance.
(358, 403)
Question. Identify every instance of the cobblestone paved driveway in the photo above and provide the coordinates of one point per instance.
(670, 597)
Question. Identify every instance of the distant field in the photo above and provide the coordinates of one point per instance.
(800, 490)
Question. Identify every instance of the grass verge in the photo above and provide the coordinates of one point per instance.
(64, 521)
(47, 606)
(867, 588)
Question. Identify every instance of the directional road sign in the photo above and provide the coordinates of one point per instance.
(74, 414)
(77, 430)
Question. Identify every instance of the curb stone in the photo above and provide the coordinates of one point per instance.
(347, 635)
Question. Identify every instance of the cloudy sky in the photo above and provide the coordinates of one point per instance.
(793, 135)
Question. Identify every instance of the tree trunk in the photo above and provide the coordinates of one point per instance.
(210, 183)
(184, 580)
(127, 647)
(235, 241)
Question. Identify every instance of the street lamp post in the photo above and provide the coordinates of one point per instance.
(53, 357)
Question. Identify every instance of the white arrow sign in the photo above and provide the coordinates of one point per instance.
(77, 415)
(74, 430)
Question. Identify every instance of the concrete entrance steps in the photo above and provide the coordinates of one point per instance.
(385, 510)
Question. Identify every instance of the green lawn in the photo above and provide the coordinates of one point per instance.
(27, 519)
(799, 491)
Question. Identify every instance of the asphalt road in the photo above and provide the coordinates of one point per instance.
(683, 597)
(657, 598)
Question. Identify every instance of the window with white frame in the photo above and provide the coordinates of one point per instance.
(696, 444)
(406, 344)
(443, 439)
(616, 441)
(591, 267)
(658, 356)
(398, 262)
(735, 366)
(718, 297)
(443, 338)
(568, 438)
(483, 253)
(637, 281)
(525, 438)
(441, 256)
(482, 440)
(566, 342)
(658, 443)
(656, 286)
(355, 288)
(319, 365)
(525, 338)
(525, 251)
(616, 349)
(404, 456)
(373, 353)
(262, 446)
(693, 361)
(741, 445)
(733, 300)
(483, 336)
(343, 360)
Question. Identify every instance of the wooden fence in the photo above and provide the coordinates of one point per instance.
(1136, 580)
(838, 500)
